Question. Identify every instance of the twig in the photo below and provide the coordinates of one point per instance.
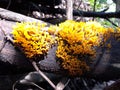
(94, 8)
(111, 22)
(8, 37)
(42, 74)
(8, 4)
(36, 67)
(13, 86)
(62, 84)
(31, 83)
(85, 84)
(2, 45)
(104, 10)
(79, 4)
(34, 5)
(36, 85)
(4, 41)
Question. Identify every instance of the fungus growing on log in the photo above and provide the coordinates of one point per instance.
(34, 41)
(77, 43)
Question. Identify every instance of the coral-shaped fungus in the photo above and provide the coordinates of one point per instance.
(32, 39)
(77, 42)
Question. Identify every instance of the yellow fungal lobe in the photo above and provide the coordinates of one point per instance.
(77, 42)
(30, 37)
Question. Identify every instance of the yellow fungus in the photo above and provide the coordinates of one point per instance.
(30, 37)
(77, 42)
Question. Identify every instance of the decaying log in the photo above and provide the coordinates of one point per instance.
(104, 67)
(11, 56)
(107, 64)
(12, 16)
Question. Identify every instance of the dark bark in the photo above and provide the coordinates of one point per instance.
(114, 86)
(106, 66)
(82, 13)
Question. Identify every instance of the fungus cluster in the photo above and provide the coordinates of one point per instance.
(77, 42)
(32, 39)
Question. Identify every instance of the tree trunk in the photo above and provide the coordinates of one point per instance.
(117, 2)
(69, 9)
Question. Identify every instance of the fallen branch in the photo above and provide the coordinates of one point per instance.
(43, 75)
(81, 13)
(97, 14)
(12, 16)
